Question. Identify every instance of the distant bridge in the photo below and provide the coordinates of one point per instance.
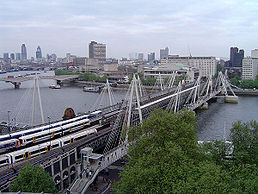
(16, 81)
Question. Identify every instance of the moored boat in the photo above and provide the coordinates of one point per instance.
(2, 72)
(55, 86)
(95, 89)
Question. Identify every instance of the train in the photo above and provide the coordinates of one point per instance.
(42, 133)
(16, 156)
(48, 134)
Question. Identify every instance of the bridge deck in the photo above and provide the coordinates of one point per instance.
(22, 79)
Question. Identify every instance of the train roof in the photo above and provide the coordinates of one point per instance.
(29, 149)
(37, 134)
(96, 112)
(8, 141)
(4, 136)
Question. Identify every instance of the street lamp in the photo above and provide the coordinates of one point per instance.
(49, 123)
(8, 125)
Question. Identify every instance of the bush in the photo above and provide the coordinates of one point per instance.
(34, 180)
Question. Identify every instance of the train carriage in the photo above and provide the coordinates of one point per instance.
(16, 135)
(29, 152)
(4, 160)
(8, 144)
(48, 134)
(75, 137)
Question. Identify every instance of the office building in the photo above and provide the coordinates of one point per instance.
(12, 56)
(85, 64)
(23, 52)
(6, 56)
(167, 70)
(236, 57)
(151, 57)
(206, 65)
(38, 53)
(250, 68)
(97, 51)
(132, 56)
(254, 53)
(140, 56)
(164, 53)
(18, 56)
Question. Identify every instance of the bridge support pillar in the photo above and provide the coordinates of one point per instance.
(205, 106)
(16, 85)
(231, 99)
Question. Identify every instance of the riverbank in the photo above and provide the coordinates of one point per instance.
(117, 87)
(245, 92)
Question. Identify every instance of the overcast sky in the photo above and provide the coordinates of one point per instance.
(205, 27)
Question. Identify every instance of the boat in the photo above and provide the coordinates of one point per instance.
(2, 72)
(55, 86)
(95, 89)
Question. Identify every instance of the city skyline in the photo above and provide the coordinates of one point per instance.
(202, 28)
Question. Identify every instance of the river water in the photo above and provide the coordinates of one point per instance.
(214, 123)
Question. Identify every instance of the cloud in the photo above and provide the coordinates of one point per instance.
(154, 24)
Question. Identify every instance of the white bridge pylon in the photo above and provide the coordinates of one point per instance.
(169, 84)
(134, 89)
(124, 118)
(222, 80)
(36, 87)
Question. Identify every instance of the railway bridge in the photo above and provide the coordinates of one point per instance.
(66, 165)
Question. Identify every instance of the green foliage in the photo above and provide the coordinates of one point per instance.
(150, 81)
(249, 84)
(92, 77)
(33, 179)
(244, 178)
(166, 158)
(244, 137)
(217, 150)
(65, 72)
(245, 84)
(235, 81)
(85, 76)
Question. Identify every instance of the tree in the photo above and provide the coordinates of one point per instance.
(166, 158)
(244, 137)
(218, 150)
(33, 179)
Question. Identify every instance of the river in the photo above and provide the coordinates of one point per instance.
(214, 123)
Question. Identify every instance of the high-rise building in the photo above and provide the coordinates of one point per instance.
(164, 53)
(23, 52)
(6, 56)
(38, 53)
(18, 56)
(140, 56)
(254, 53)
(151, 57)
(236, 57)
(97, 51)
(12, 56)
(250, 68)
(132, 56)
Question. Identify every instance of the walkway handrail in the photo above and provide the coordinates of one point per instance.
(90, 180)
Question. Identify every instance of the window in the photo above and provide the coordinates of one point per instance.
(72, 158)
(49, 170)
(64, 163)
(56, 167)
